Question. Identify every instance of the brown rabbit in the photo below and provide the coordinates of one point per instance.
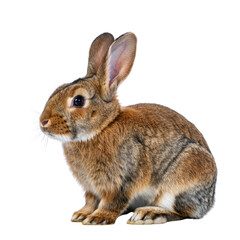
(144, 158)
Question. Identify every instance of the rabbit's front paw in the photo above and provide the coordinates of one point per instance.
(100, 217)
(79, 216)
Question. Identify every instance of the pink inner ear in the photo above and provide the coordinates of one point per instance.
(116, 60)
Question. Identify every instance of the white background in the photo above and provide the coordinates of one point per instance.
(188, 58)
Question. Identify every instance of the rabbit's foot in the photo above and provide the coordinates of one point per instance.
(100, 217)
(79, 216)
(148, 215)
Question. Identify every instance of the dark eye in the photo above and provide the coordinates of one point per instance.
(78, 101)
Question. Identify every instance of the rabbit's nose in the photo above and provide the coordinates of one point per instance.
(45, 123)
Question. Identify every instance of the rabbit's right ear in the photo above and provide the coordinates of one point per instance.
(116, 65)
(97, 52)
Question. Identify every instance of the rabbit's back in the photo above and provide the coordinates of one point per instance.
(155, 121)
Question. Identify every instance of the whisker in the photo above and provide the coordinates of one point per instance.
(45, 142)
(36, 131)
(36, 112)
(37, 135)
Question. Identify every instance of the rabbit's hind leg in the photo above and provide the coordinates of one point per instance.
(153, 215)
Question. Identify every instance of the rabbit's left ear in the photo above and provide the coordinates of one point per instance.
(97, 52)
(117, 64)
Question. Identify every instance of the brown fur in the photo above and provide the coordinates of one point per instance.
(144, 156)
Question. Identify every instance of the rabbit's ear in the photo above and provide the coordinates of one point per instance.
(117, 64)
(97, 52)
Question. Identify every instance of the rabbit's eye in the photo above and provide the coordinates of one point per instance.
(78, 101)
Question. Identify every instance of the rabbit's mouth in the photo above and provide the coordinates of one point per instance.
(60, 137)
(69, 136)
(56, 127)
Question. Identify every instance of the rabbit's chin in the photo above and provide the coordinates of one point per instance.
(59, 137)
(81, 137)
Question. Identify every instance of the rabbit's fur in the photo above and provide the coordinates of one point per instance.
(144, 158)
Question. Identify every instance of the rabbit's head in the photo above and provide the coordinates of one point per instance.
(81, 109)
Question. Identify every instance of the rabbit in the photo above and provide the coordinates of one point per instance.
(146, 158)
